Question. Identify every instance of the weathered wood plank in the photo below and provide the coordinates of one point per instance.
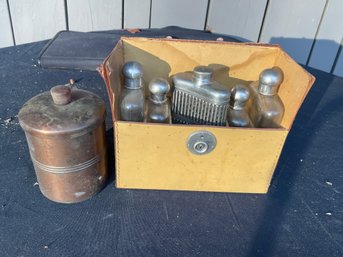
(329, 37)
(136, 13)
(239, 18)
(35, 20)
(90, 15)
(5, 25)
(339, 65)
(185, 13)
(293, 25)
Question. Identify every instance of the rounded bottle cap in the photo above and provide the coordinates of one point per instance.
(270, 80)
(158, 88)
(133, 70)
(202, 74)
(61, 94)
(240, 95)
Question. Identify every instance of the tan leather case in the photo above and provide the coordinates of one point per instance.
(155, 156)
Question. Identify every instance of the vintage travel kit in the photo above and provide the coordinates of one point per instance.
(187, 115)
(232, 106)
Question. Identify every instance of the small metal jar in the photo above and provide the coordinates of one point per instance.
(65, 131)
(267, 107)
(238, 115)
(158, 110)
(132, 98)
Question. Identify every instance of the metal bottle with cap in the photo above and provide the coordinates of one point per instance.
(132, 99)
(267, 109)
(158, 109)
(197, 99)
(65, 132)
(238, 115)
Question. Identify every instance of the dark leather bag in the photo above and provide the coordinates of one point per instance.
(87, 50)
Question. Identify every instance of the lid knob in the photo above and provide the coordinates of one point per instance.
(61, 94)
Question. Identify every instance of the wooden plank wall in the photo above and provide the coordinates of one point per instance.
(92, 15)
(293, 24)
(34, 20)
(309, 30)
(6, 38)
(179, 12)
(329, 37)
(242, 18)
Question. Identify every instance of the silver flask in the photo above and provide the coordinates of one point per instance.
(197, 99)
(132, 100)
(158, 106)
(267, 109)
(238, 115)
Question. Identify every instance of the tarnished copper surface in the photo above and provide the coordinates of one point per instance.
(67, 144)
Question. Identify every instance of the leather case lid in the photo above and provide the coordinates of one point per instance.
(87, 50)
(77, 50)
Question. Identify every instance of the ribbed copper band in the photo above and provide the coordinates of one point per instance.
(67, 169)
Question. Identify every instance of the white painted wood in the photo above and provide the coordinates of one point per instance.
(339, 65)
(293, 25)
(91, 15)
(185, 13)
(239, 18)
(329, 37)
(5, 26)
(136, 13)
(35, 20)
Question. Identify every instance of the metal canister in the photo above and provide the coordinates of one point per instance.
(65, 132)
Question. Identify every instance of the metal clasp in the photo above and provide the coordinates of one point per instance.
(201, 142)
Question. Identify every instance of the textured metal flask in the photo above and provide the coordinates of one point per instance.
(197, 99)
(267, 109)
(65, 131)
(132, 99)
(158, 110)
(238, 115)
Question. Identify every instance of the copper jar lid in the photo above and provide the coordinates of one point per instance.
(65, 131)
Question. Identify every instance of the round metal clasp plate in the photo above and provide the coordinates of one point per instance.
(201, 142)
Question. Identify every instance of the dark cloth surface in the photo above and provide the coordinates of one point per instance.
(300, 216)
